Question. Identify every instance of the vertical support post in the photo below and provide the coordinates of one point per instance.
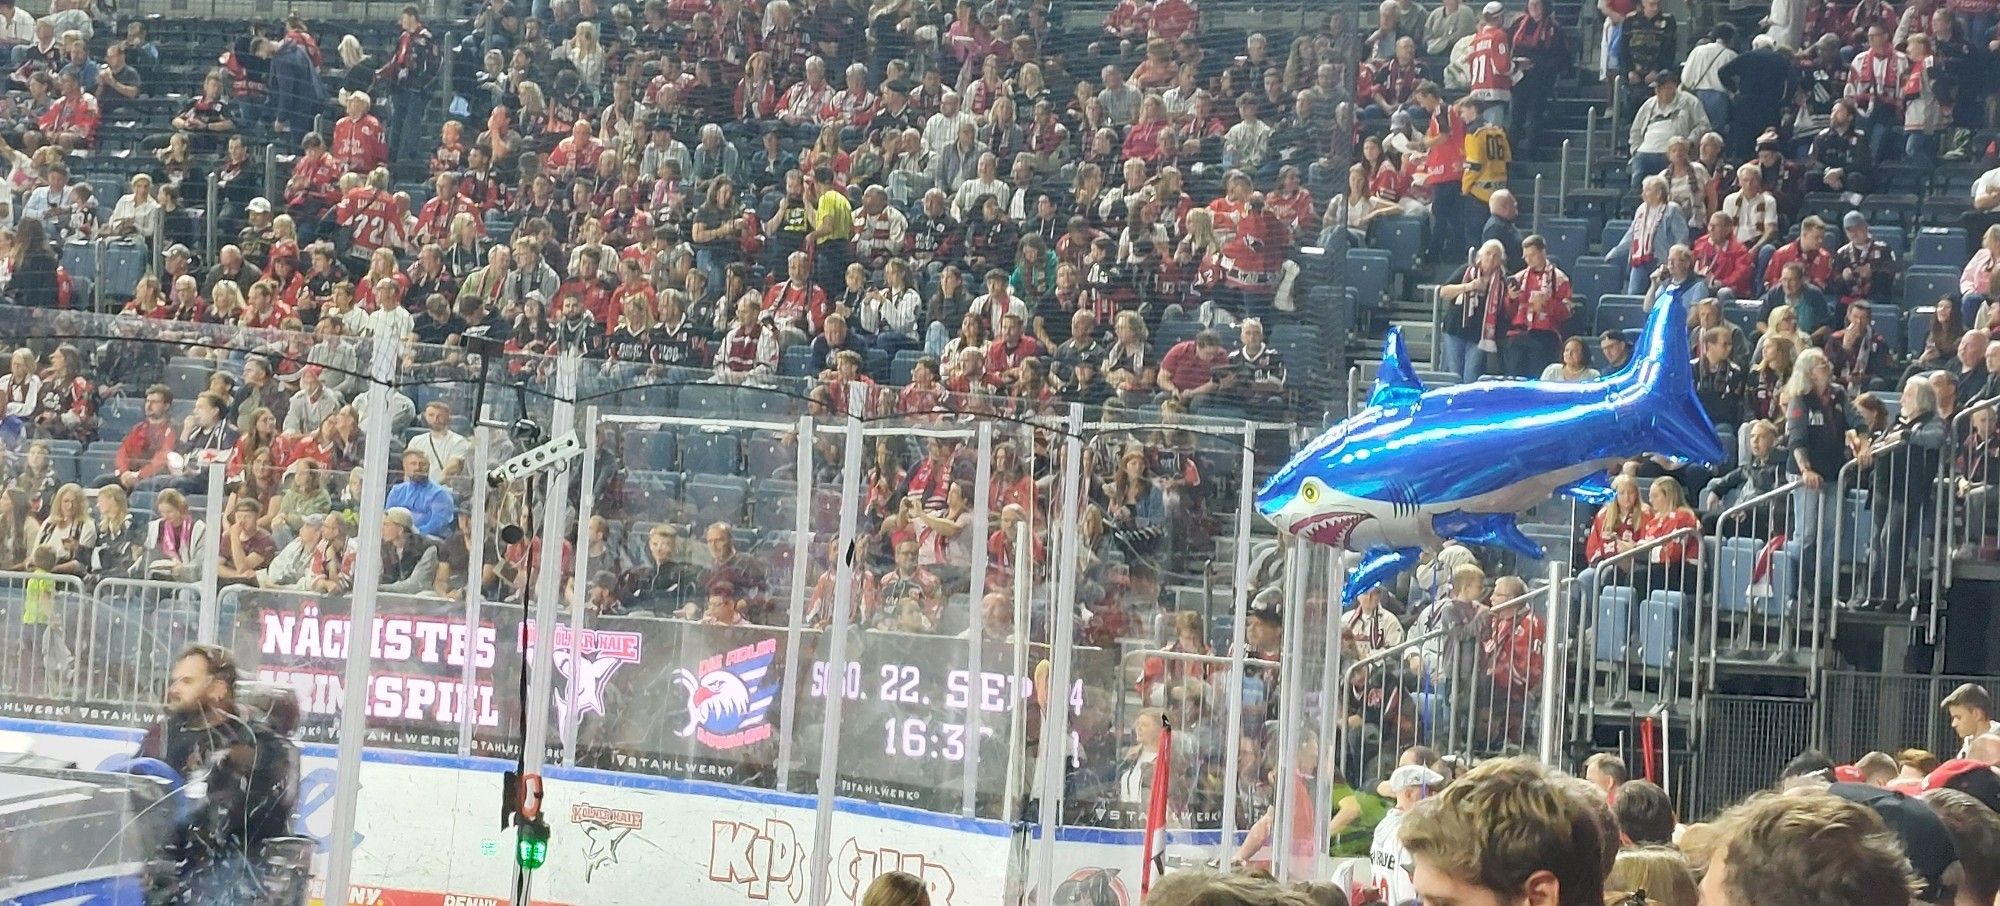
(975, 644)
(1332, 702)
(1536, 222)
(1055, 747)
(788, 704)
(271, 183)
(1291, 713)
(1589, 143)
(1017, 716)
(836, 690)
(1245, 502)
(552, 526)
(1562, 177)
(209, 216)
(1555, 638)
(580, 581)
(475, 566)
(387, 353)
(211, 554)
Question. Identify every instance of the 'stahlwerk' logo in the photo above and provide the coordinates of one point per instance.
(728, 700)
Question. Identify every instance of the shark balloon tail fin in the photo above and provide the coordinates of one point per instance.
(1660, 383)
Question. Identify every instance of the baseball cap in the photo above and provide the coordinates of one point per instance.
(313, 520)
(179, 250)
(400, 516)
(1973, 778)
(1853, 219)
(1669, 74)
(1492, 8)
(258, 206)
(1410, 775)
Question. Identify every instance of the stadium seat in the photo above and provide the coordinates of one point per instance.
(124, 264)
(1890, 209)
(1614, 610)
(1659, 628)
(1567, 237)
(649, 448)
(1938, 247)
(796, 361)
(1592, 276)
(717, 498)
(1891, 235)
(1368, 273)
(714, 452)
(774, 508)
(902, 365)
(767, 453)
(1612, 231)
(1917, 328)
(79, 259)
(716, 400)
(1926, 285)
(1619, 312)
(1857, 529)
(1403, 239)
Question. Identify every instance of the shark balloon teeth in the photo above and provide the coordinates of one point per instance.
(1416, 468)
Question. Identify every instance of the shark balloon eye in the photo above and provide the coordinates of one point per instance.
(1310, 491)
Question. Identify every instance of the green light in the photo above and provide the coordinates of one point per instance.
(531, 850)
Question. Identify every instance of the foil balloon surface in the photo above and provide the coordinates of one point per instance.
(1416, 468)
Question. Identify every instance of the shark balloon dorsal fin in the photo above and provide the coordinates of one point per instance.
(1486, 529)
(1396, 382)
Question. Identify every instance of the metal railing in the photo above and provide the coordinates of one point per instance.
(1615, 654)
(1760, 603)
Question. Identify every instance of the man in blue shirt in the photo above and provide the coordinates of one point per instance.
(430, 504)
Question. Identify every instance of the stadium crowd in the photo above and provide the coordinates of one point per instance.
(918, 210)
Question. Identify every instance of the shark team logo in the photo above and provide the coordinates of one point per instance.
(603, 829)
(728, 699)
(586, 669)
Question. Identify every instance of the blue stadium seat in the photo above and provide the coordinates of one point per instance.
(1619, 312)
(1403, 239)
(649, 448)
(1613, 231)
(754, 402)
(1567, 237)
(775, 505)
(796, 361)
(717, 498)
(1614, 615)
(124, 264)
(1917, 328)
(717, 400)
(1590, 277)
(1857, 530)
(766, 453)
(1891, 235)
(1926, 285)
(1938, 247)
(713, 452)
(79, 259)
(901, 366)
(1368, 273)
(1659, 628)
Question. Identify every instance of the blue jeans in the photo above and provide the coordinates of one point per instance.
(1463, 357)
(1716, 104)
(1637, 279)
(1920, 148)
(1813, 515)
(1646, 163)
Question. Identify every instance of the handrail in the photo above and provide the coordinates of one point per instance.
(1960, 427)
(1848, 471)
(1715, 590)
(1586, 662)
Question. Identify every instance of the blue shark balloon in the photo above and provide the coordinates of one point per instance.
(1417, 468)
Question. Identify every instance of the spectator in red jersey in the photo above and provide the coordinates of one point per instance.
(72, 120)
(145, 450)
(1192, 370)
(1722, 259)
(359, 143)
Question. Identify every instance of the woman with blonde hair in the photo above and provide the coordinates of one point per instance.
(896, 888)
(1651, 876)
(1784, 323)
(584, 52)
(69, 530)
